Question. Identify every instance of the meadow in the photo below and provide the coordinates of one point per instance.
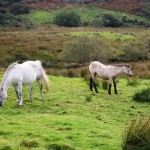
(70, 117)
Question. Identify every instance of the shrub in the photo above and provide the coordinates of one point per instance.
(3, 11)
(2, 18)
(142, 96)
(137, 50)
(84, 49)
(67, 19)
(70, 73)
(21, 57)
(111, 21)
(84, 73)
(18, 8)
(137, 135)
(97, 22)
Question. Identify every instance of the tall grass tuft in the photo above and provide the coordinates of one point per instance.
(104, 84)
(132, 81)
(88, 98)
(142, 96)
(29, 144)
(137, 135)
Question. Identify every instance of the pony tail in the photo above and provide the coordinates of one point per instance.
(46, 80)
(45, 77)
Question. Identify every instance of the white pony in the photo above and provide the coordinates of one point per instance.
(19, 74)
(107, 72)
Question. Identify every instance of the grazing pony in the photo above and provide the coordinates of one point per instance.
(19, 74)
(107, 72)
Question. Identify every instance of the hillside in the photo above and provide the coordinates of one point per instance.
(22, 14)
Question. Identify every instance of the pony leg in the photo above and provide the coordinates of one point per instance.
(40, 87)
(31, 90)
(115, 88)
(20, 94)
(16, 90)
(110, 84)
(91, 81)
(94, 83)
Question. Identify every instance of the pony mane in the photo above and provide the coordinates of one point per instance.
(7, 70)
(122, 65)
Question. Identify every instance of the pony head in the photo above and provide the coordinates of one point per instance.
(3, 96)
(128, 70)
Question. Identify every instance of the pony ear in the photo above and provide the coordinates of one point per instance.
(127, 66)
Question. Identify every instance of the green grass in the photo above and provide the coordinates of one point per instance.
(86, 12)
(65, 119)
(40, 16)
(107, 35)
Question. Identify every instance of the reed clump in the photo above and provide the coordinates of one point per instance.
(136, 135)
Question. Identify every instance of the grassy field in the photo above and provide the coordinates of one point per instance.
(70, 117)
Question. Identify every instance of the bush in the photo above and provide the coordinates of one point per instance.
(97, 22)
(21, 57)
(2, 19)
(67, 19)
(137, 135)
(85, 49)
(142, 96)
(18, 8)
(137, 50)
(111, 21)
(3, 11)
(84, 73)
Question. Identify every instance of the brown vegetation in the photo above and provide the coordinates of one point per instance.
(46, 44)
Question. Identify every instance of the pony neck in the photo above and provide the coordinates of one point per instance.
(5, 84)
(120, 70)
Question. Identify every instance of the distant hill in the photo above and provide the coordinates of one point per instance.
(136, 7)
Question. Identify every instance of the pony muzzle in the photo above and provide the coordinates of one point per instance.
(130, 75)
(1, 103)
